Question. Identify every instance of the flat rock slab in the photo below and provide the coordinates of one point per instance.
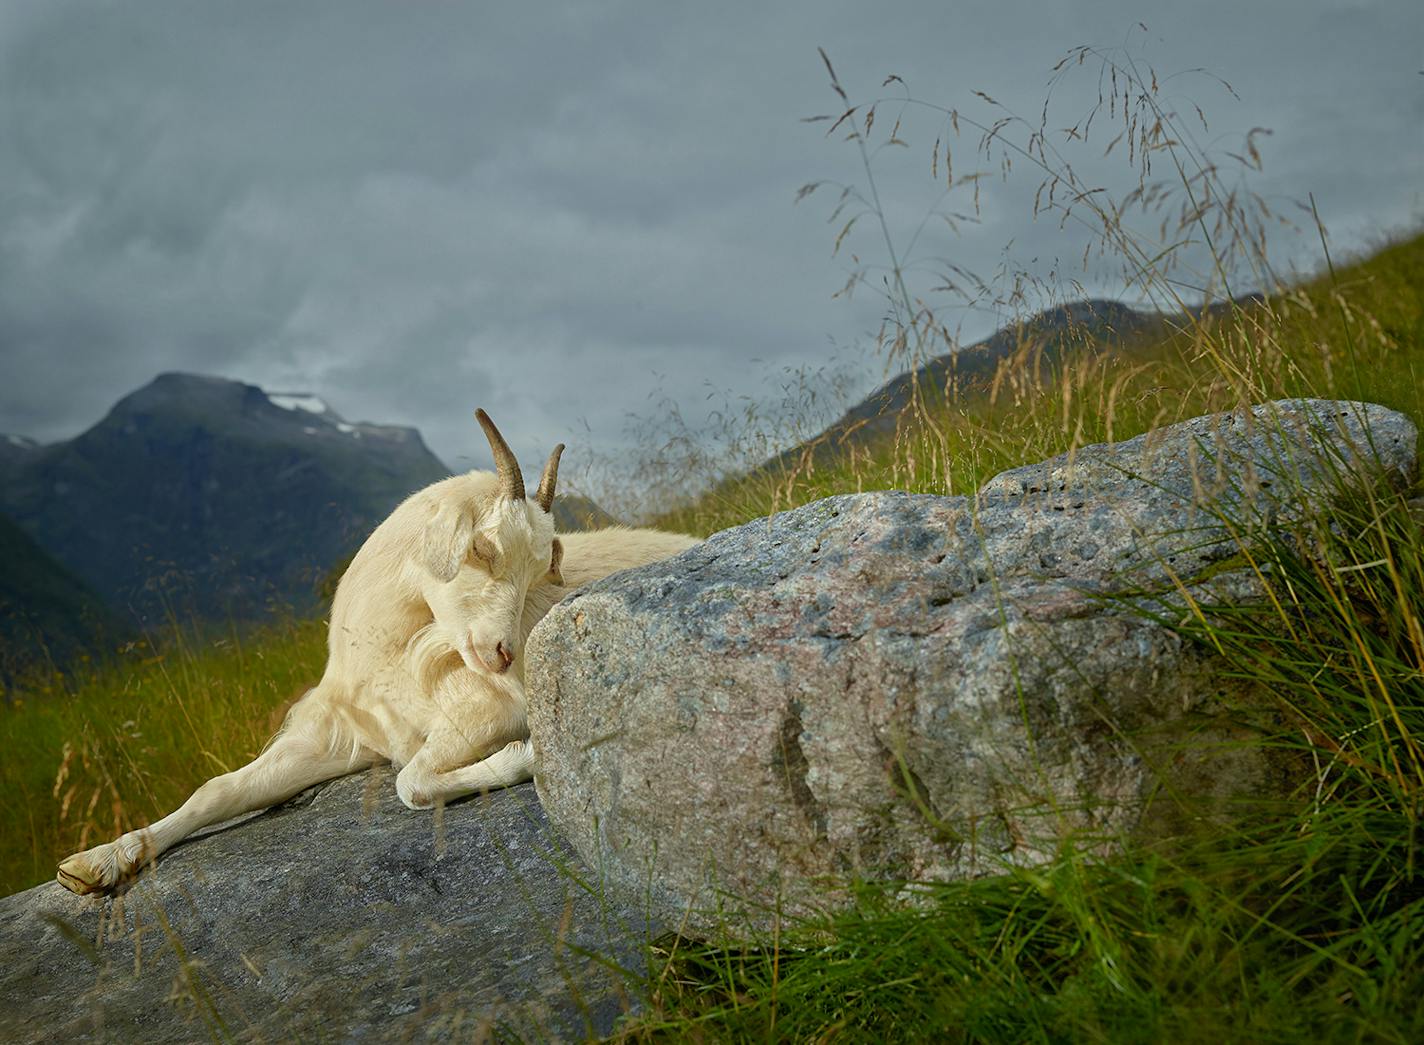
(340, 915)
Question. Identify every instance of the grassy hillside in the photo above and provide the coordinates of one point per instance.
(1353, 334)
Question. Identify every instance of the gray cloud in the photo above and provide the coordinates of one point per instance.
(555, 211)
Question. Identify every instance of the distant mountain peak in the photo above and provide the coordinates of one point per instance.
(314, 407)
(311, 407)
(205, 396)
(222, 404)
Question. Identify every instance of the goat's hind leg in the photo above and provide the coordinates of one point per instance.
(308, 750)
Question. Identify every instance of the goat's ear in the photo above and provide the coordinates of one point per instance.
(447, 540)
(556, 560)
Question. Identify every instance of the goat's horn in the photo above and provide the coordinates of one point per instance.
(510, 477)
(545, 496)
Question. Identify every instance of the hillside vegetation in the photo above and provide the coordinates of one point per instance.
(1351, 335)
(89, 756)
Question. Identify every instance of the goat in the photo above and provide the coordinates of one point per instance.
(425, 662)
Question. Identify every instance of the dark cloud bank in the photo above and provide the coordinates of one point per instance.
(554, 211)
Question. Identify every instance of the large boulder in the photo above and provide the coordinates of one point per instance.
(913, 687)
(341, 915)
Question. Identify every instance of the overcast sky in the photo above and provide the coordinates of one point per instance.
(555, 211)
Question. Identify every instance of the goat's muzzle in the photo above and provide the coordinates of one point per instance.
(496, 662)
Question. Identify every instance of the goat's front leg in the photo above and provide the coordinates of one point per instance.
(295, 760)
(449, 767)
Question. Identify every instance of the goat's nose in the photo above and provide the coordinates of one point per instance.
(505, 657)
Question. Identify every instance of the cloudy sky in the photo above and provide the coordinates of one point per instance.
(560, 211)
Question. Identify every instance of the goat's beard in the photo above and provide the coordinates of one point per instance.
(432, 657)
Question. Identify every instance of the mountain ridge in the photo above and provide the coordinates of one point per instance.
(1098, 322)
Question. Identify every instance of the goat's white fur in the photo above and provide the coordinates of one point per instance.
(416, 674)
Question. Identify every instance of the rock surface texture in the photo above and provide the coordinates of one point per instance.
(338, 916)
(917, 687)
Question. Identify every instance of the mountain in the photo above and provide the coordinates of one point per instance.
(1056, 331)
(48, 616)
(15, 450)
(200, 496)
(208, 496)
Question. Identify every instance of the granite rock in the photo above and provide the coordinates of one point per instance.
(907, 688)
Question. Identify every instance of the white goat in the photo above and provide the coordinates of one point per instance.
(425, 666)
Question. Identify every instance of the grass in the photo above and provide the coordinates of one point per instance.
(120, 746)
(1312, 928)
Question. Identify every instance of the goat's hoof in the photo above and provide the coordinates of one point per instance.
(78, 875)
(95, 870)
(416, 800)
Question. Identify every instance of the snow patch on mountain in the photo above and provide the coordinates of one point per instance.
(299, 401)
(305, 402)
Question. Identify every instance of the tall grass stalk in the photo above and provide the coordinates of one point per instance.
(1186, 234)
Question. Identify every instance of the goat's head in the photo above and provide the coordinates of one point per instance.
(482, 557)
